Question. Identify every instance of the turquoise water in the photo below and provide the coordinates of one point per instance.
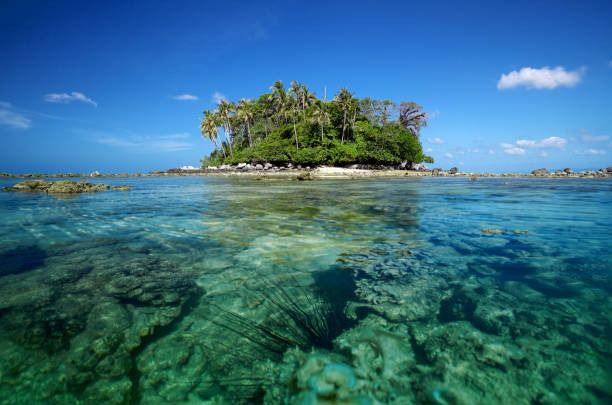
(227, 290)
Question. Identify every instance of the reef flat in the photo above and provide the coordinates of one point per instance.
(62, 187)
(228, 289)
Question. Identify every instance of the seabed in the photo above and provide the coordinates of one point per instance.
(371, 291)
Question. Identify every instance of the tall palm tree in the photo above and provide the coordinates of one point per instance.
(225, 111)
(320, 116)
(264, 109)
(344, 100)
(210, 128)
(245, 113)
(279, 99)
(295, 92)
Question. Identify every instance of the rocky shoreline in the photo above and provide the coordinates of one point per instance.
(269, 170)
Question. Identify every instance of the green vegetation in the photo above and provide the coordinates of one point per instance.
(292, 125)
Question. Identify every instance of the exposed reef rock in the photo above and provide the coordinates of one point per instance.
(76, 330)
(63, 187)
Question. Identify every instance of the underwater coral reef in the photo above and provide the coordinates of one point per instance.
(205, 290)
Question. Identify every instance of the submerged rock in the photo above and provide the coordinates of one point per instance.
(63, 187)
(304, 176)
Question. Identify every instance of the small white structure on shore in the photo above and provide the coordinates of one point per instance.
(188, 168)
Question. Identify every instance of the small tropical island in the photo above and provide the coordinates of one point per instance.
(293, 126)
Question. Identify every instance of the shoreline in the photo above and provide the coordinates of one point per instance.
(317, 173)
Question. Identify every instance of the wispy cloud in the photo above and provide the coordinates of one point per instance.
(218, 97)
(588, 138)
(437, 141)
(542, 78)
(161, 143)
(550, 142)
(185, 97)
(591, 152)
(11, 118)
(510, 149)
(66, 98)
(448, 155)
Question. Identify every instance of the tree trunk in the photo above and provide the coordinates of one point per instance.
(249, 133)
(296, 138)
(228, 132)
(217, 147)
(343, 126)
(321, 125)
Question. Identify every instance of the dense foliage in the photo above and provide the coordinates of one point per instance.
(294, 126)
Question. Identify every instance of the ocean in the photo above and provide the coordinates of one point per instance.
(214, 290)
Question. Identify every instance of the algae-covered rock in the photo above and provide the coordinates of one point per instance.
(68, 186)
(85, 322)
(304, 176)
(63, 187)
(30, 185)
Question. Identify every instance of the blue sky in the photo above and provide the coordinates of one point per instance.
(93, 85)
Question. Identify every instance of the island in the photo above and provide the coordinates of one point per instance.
(293, 126)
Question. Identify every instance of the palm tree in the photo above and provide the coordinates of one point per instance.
(246, 113)
(210, 128)
(295, 91)
(225, 111)
(264, 110)
(320, 116)
(304, 97)
(344, 99)
(279, 99)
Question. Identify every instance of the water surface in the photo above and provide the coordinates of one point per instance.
(228, 290)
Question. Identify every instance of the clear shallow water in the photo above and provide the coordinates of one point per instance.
(222, 290)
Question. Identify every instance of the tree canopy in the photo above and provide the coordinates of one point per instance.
(293, 125)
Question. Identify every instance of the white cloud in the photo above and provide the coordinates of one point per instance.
(593, 138)
(429, 150)
(66, 98)
(543, 78)
(185, 97)
(491, 152)
(543, 154)
(591, 152)
(514, 151)
(510, 149)
(436, 140)
(11, 118)
(162, 143)
(217, 97)
(448, 155)
(550, 142)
